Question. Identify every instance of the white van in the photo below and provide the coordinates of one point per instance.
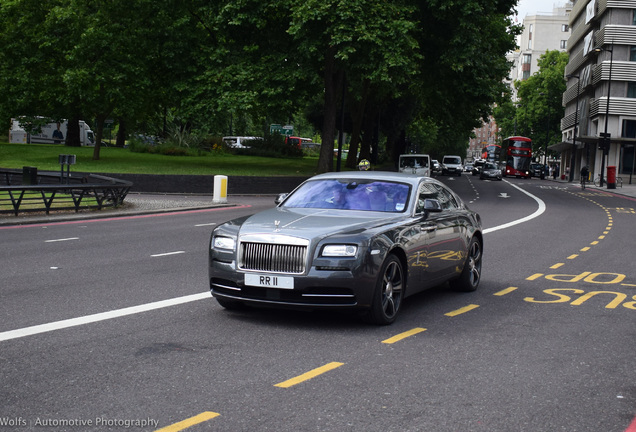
(50, 133)
(452, 165)
(416, 164)
(238, 141)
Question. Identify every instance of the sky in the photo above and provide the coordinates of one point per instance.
(531, 7)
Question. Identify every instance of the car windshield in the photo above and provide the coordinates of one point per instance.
(491, 166)
(349, 194)
(413, 162)
(452, 160)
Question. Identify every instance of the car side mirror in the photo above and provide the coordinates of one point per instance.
(428, 206)
(280, 198)
(432, 206)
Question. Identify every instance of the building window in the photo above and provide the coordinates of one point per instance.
(565, 28)
(632, 53)
(527, 58)
(634, 17)
(563, 44)
(629, 128)
(631, 89)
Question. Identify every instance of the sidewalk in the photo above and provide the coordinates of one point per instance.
(627, 190)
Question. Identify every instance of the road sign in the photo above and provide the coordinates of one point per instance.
(287, 130)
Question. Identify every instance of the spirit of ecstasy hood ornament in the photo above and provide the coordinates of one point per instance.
(276, 225)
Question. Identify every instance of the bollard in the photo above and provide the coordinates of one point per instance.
(220, 189)
(611, 177)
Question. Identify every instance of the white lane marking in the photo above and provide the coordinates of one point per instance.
(57, 325)
(167, 253)
(61, 240)
(205, 224)
(537, 213)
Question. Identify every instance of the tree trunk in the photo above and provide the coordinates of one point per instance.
(358, 116)
(121, 133)
(73, 132)
(99, 133)
(333, 81)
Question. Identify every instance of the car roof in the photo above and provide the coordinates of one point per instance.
(413, 179)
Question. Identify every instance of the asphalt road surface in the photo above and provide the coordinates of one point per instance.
(109, 325)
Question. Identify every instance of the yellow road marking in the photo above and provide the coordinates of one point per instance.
(556, 266)
(309, 375)
(594, 243)
(203, 417)
(572, 256)
(585, 249)
(404, 335)
(506, 291)
(462, 310)
(534, 276)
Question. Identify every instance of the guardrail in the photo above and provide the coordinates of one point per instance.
(25, 191)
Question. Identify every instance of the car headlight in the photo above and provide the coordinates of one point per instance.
(339, 251)
(224, 243)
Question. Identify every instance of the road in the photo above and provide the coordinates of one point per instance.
(107, 325)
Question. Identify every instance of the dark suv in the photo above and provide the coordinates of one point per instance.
(536, 169)
(478, 166)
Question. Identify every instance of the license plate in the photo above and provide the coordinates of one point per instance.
(269, 281)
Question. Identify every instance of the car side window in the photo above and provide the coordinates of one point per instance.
(445, 198)
(424, 192)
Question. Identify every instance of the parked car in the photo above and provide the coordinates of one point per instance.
(360, 240)
(451, 165)
(477, 166)
(490, 170)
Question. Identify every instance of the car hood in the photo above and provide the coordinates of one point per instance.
(310, 223)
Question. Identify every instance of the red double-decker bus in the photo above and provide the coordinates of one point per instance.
(491, 152)
(516, 153)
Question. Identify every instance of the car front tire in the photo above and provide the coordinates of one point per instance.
(469, 279)
(389, 292)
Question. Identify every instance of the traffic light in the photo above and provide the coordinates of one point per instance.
(604, 141)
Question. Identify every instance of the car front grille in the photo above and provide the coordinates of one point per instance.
(277, 258)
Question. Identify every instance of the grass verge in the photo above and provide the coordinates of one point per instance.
(117, 160)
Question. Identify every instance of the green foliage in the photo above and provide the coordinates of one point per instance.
(187, 70)
(539, 109)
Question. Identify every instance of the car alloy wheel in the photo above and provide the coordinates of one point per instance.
(389, 292)
(469, 279)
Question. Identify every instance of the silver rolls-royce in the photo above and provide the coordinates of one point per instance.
(360, 240)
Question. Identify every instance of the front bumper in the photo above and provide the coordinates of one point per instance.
(318, 288)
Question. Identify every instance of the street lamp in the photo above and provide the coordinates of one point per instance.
(576, 125)
(606, 136)
(547, 137)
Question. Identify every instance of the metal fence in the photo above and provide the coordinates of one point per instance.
(27, 190)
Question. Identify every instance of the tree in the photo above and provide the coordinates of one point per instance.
(540, 108)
